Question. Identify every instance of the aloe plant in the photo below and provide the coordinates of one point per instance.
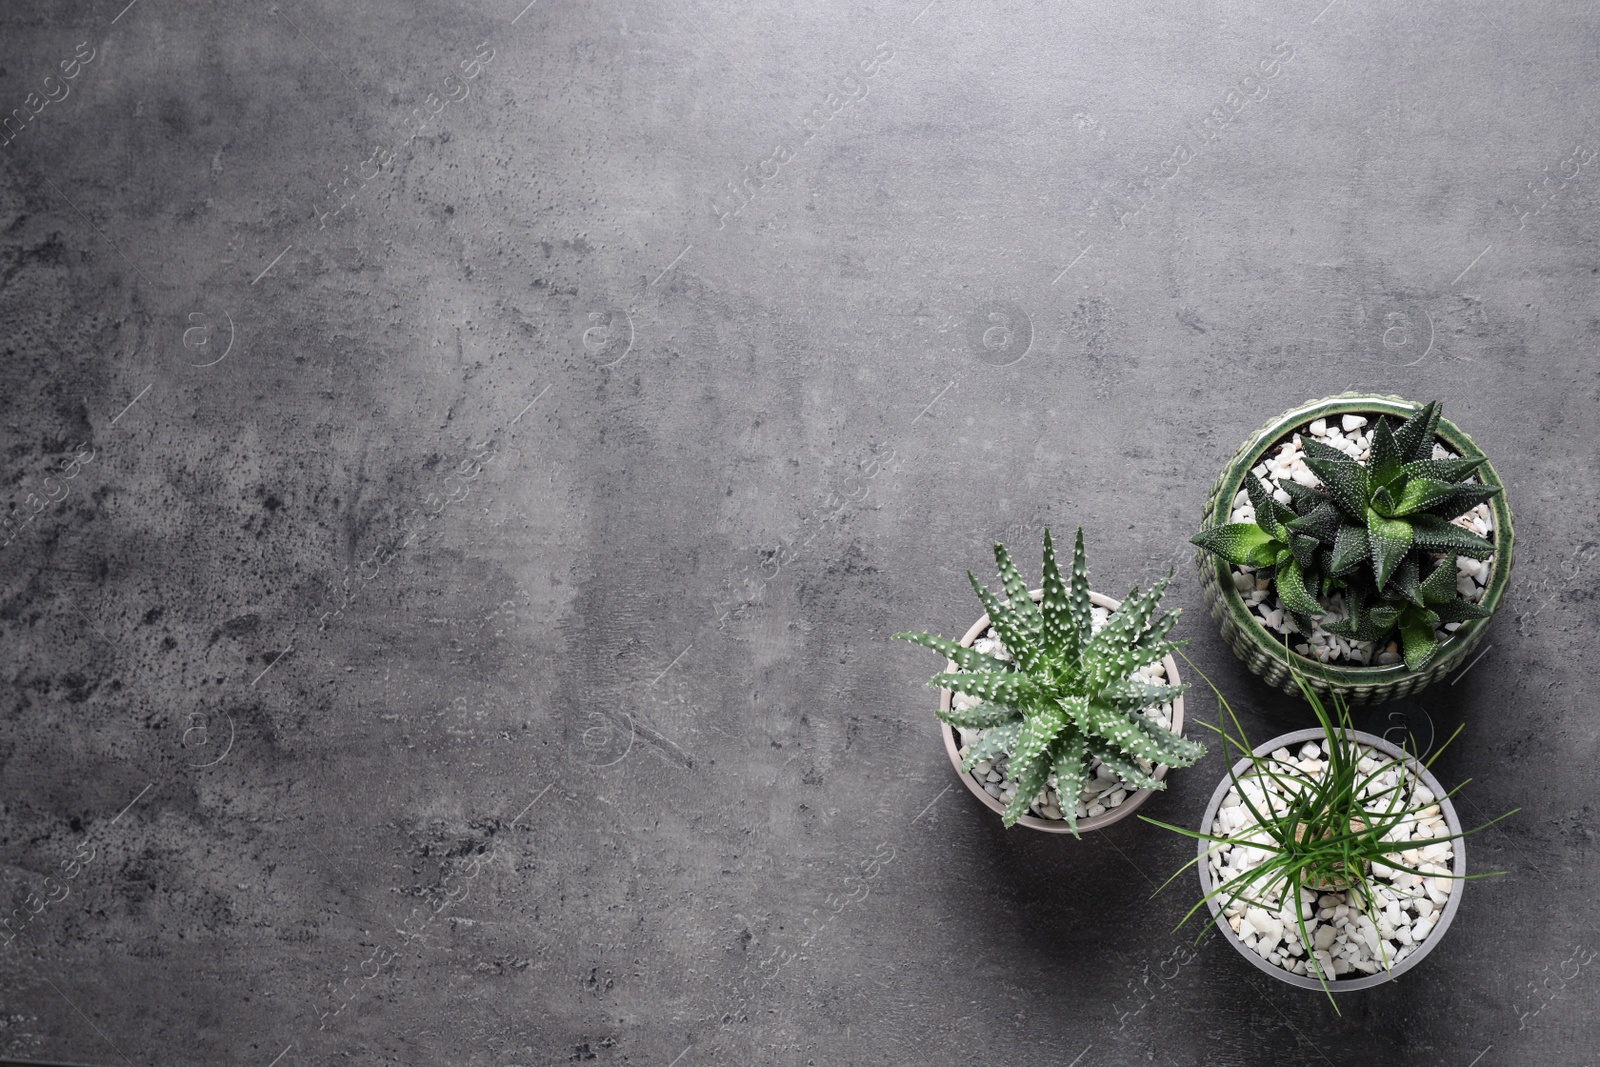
(1371, 531)
(1067, 693)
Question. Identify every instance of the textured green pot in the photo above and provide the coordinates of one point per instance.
(1260, 649)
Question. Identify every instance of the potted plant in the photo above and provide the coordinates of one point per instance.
(1366, 535)
(1329, 857)
(1062, 709)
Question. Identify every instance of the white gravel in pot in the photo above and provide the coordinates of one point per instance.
(1346, 939)
(1102, 791)
(1352, 437)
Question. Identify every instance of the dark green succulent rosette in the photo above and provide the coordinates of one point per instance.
(1376, 531)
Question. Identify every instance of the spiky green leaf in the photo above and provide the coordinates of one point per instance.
(1383, 616)
(1444, 470)
(1243, 544)
(1121, 632)
(1168, 748)
(1383, 455)
(1321, 522)
(1303, 547)
(1440, 535)
(1459, 610)
(1440, 585)
(1157, 631)
(1304, 499)
(1123, 766)
(1038, 731)
(1404, 584)
(1315, 449)
(1301, 623)
(1383, 501)
(968, 659)
(1388, 540)
(1346, 483)
(1350, 549)
(1079, 604)
(1017, 598)
(1414, 439)
(982, 716)
(1420, 494)
(996, 742)
(1270, 515)
(1466, 497)
(1292, 591)
(1010, 626)
(1031, 778)
(1135, 694)
(1418, 639)
(1072, 772)
(1012, 688)
(1061, 633)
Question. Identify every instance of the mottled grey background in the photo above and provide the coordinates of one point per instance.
(316, 752)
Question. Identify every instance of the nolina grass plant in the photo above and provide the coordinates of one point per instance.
(1323, 830)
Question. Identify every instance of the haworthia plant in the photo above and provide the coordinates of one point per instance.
(1067, 692)
(1378, 530)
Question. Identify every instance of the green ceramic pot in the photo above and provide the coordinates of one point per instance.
(1264, 651)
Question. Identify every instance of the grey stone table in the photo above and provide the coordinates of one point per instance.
(464, 461)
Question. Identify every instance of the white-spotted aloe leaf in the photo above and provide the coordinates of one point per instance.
(1440, 585)
(997, 742)
(1011, 627)
(1061, 635)
(1072, 772)
(1158, 630)
(1125, 768)
(1010, 688)
(1132, 694)
(1079, 605)
(1459, 610)
(1031, 779)
(1129, 621)
(1118, 728)
(968, 659)
(1321, 522)
(981, 716)
(1038, 730)
(1017, 598)
(1121, 662)
(1168, 747)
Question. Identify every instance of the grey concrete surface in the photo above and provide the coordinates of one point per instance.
(455, 628)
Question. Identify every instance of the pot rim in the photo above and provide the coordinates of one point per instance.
(1357, 404)
(1134, 799)
(1458, 864)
